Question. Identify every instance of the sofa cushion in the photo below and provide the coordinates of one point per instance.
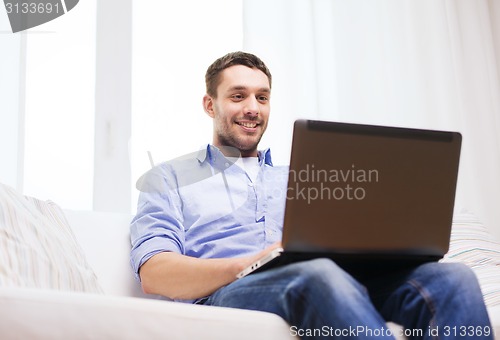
(471, 243)
(37, 247)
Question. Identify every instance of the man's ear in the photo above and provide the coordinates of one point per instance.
(208, 105)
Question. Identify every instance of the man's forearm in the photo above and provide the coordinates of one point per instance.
(182, 277)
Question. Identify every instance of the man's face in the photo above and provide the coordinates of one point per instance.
(241, 109)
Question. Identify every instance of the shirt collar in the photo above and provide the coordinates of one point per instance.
(212, 154)
(265, 155)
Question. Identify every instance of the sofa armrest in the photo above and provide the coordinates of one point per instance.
(48, 314)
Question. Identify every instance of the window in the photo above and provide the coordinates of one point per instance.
(173, 44)
(11, 99)
(59, 119)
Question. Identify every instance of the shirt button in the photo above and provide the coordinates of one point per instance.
(250, 184)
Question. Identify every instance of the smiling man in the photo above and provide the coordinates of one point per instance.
(237, 99)
(204, 217)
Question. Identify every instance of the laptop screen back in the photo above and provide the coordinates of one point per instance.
(360, 189)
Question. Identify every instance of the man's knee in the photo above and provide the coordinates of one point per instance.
(453, 271)
(321, 269)
(453, 278)
(322, 275)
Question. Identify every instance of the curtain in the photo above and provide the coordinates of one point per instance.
(431, 64)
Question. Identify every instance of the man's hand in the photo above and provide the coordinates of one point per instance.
(183, 277)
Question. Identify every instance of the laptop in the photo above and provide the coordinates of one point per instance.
(368, 197)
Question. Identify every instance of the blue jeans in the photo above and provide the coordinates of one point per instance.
(318, 298)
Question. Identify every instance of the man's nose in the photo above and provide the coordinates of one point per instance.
(252, 106)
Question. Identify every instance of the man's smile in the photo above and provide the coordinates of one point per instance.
(248, 125)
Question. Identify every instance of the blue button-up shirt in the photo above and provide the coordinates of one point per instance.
(203, 205)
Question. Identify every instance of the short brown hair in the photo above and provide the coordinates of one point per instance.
(212, 77)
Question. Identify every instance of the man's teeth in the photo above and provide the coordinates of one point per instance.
(248, 125)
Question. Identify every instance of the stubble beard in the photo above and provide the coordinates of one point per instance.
(227, 138)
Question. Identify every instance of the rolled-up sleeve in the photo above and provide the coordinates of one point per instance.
(158, 224)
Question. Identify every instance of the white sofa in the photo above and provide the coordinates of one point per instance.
(123, 311)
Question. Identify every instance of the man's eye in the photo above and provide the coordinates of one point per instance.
(237, 97)
(263, 98)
